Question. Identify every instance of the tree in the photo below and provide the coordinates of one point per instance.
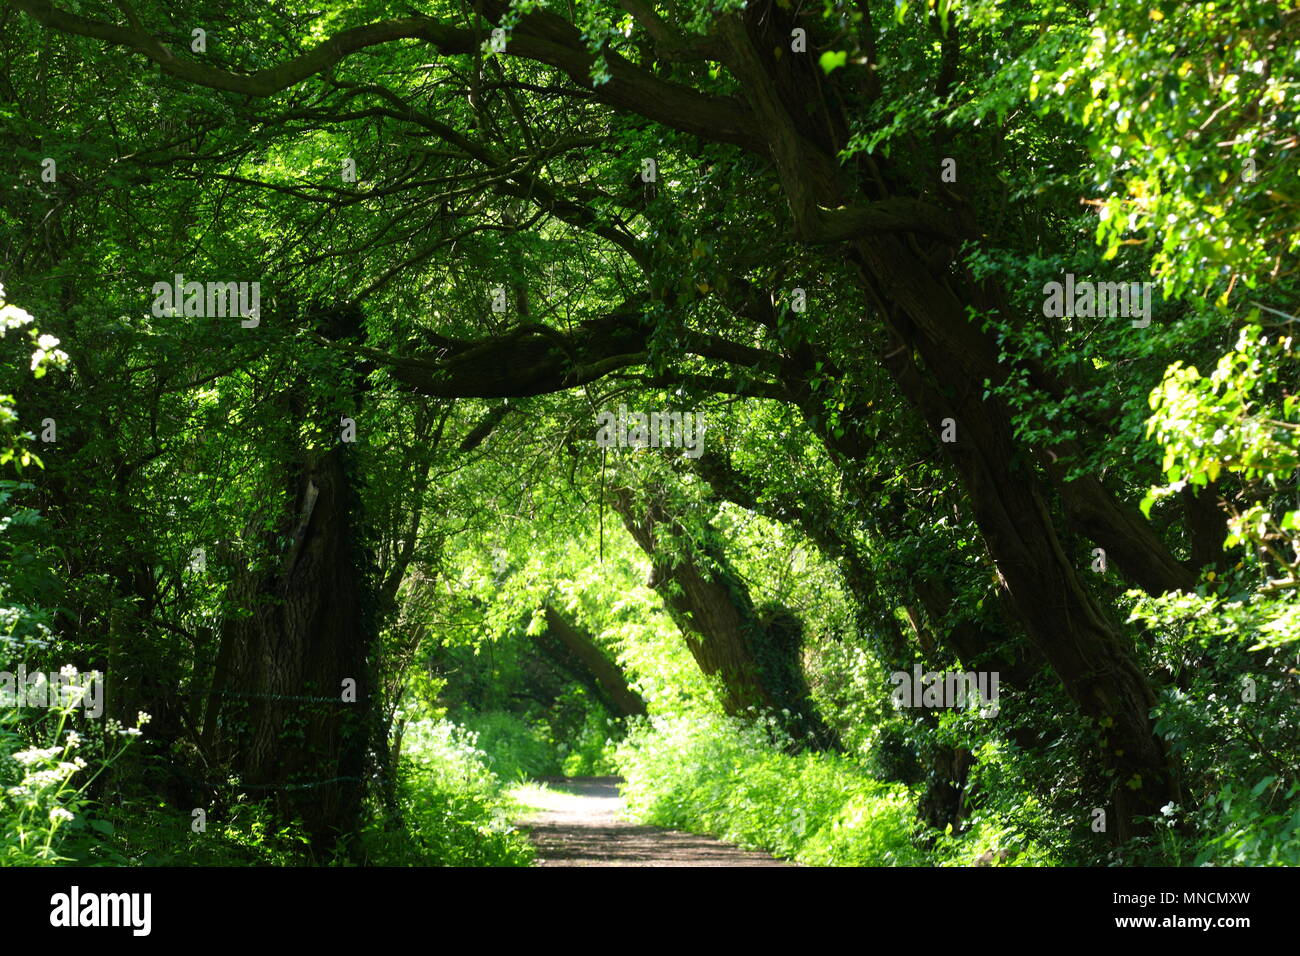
(605, 179)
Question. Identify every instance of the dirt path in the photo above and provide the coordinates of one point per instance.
(580, 823)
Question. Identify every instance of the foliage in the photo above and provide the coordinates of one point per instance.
(513, 749)
(592, 751)
(843, 248)
(451, 805)
(46, 817)
(1241, 420)
(733, 780)
(1190, 110)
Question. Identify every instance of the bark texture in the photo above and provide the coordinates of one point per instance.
(577, 653)
(754, 653)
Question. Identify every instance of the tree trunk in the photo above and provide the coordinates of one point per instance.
(754, 654)
(1059, 615)
(293, 703)
(283, 668)
(577, 653)
(942, 361)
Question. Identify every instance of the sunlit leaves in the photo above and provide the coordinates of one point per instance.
(1190, 111)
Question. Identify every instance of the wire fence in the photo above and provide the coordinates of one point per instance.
(309, 785)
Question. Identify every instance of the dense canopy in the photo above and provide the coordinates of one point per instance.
(402, 400)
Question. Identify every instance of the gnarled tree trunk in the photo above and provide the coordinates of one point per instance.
(942, 362)
(282, 716)
(577, 653)
(756, 655)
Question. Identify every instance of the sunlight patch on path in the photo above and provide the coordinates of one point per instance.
(579, 821)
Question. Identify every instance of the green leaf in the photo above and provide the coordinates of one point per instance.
(832, 59)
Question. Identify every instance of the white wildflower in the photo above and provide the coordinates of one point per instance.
(35, 755)
(42, 779)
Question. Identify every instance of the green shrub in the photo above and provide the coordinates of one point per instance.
(871, 829)
(452, 808)
(44, 810)
(1259, 826)
(1239, 825)
(734, 779)
(512, 748)
(148, 832)
(592, 754)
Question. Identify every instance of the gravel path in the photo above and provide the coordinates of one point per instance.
(580, 823)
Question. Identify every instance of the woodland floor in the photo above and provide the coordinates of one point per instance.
(578, 821)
